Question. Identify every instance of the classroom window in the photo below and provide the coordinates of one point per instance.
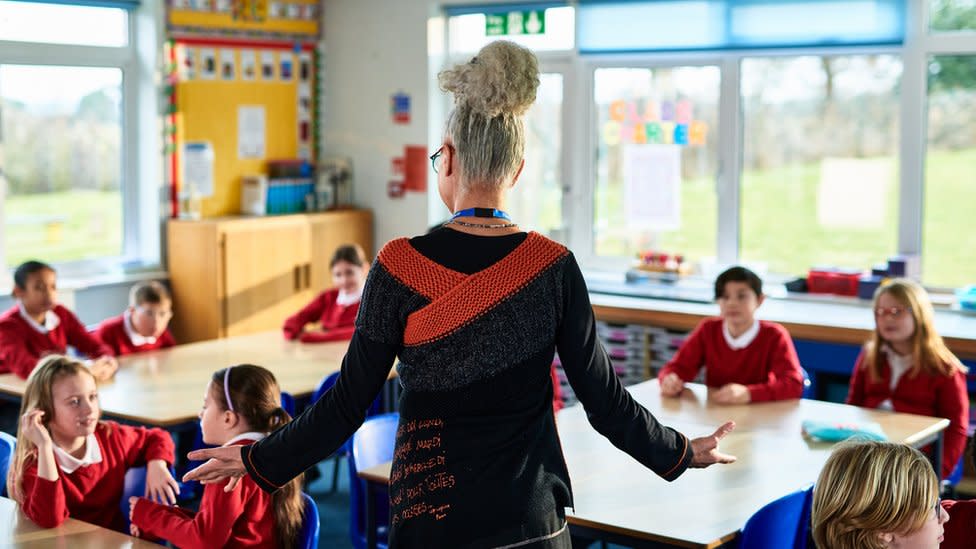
(656, 147)
(952, 15)
(819, 181)
(947, 229)
(61, 24)
(62, 144)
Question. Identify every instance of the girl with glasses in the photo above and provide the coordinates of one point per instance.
(906, 367)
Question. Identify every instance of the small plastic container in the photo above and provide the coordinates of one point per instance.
(833, 281)
(966, 297)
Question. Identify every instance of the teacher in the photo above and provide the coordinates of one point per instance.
(475, 311)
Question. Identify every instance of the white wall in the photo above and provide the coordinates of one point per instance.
(373, 49)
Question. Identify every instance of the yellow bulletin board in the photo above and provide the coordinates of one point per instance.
(218, 87)
(274, 18)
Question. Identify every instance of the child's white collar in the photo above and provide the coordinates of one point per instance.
(251, 435)
(743, 340)
(51, 320)
(69, 464)
(137, 339)
(346, 299)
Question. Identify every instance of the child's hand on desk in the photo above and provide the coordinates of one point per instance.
(32, 427)
(104, 367)
(732, 393)
(160, 484)
(705, 449)
(672, 385)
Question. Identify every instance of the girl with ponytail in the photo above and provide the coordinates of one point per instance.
(242, 404)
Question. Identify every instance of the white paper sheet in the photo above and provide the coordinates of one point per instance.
(198, 161)
(250, 131)
(652, 186)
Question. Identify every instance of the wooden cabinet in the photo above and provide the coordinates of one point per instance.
(234, 276)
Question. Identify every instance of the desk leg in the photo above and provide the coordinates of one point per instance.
(370, 516)
(937, 458)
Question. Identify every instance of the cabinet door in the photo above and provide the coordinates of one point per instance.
(331, 230)
(265, 274)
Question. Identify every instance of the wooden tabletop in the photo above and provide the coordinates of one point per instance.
(703, 508)
(165, 388)
(18, 531)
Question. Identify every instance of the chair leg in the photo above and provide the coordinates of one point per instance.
(335, 473)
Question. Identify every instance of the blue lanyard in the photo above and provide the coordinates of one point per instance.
(481, 212)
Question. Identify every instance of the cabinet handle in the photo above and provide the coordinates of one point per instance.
(308, 275)
(297, 273)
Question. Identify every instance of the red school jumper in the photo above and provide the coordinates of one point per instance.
(112, 332)
(92, 493)
(768, 366)
(243, 517)
(926, 394)
(338, 321)
(21, 346)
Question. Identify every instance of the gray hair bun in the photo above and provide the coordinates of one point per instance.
(502, 79)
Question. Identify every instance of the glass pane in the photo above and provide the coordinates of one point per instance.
(56, 24)
(62, 145)
(947, 228)
(820, 161)
(656, 161)
(537, 201)
(467, 33)
(952, 15)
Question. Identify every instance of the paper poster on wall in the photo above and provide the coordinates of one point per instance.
(198, 161)
(187, 63)
(248, 65)
(652, 186)
(400, 108)
(305, 66)
(286, 62)
(276, 9)
(847, 196)
(227, 65)
(267, 65)
(250, 131)
(208, 63)
(415, 168)
(223, 6)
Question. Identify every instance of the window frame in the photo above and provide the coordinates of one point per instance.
(141, 161)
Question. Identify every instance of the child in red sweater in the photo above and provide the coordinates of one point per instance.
(337, 307)
(906, 367)
(38, 326)
(241, 405)
(68, 463)
(745, 360)
(143, 326)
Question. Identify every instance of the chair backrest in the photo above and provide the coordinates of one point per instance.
(781, 524)
(8, 444)
(807, 392)
(288, 403)
(308, 536)
(135, 485)
(330, 380)
(372, 444)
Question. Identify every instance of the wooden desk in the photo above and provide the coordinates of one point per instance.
(16, 530)
(619, 500)
(165, 388)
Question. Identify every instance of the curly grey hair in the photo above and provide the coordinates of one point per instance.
(491, 93)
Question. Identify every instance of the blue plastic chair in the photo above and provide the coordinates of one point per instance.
(372, 444)
(308, 536)
(8, 444)
(135, 485)
(781, 524)
(807, 392)
(949, 483)
(327, 383)
(288, 403)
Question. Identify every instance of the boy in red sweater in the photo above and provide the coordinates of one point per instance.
(68, 463)
(143, 326)
(334, 309)
(745, 360)
(38, 326)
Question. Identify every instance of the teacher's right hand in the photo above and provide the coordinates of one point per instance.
(223, 463)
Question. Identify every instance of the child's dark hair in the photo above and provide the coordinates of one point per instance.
(28, 268)
(350, 253)
(255, 396)
(737, 274)
(151, 292)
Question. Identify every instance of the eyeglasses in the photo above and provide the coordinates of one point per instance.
(436, 155)
(893, 312)
(158, 314)
(938, 508)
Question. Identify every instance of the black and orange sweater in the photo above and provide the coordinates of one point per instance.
(475, 321)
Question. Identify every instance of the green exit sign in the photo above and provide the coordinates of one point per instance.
(515, 23)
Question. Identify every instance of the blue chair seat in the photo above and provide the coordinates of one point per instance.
(8, 444)
(308, 536)
(372, 445)
(780, 524)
